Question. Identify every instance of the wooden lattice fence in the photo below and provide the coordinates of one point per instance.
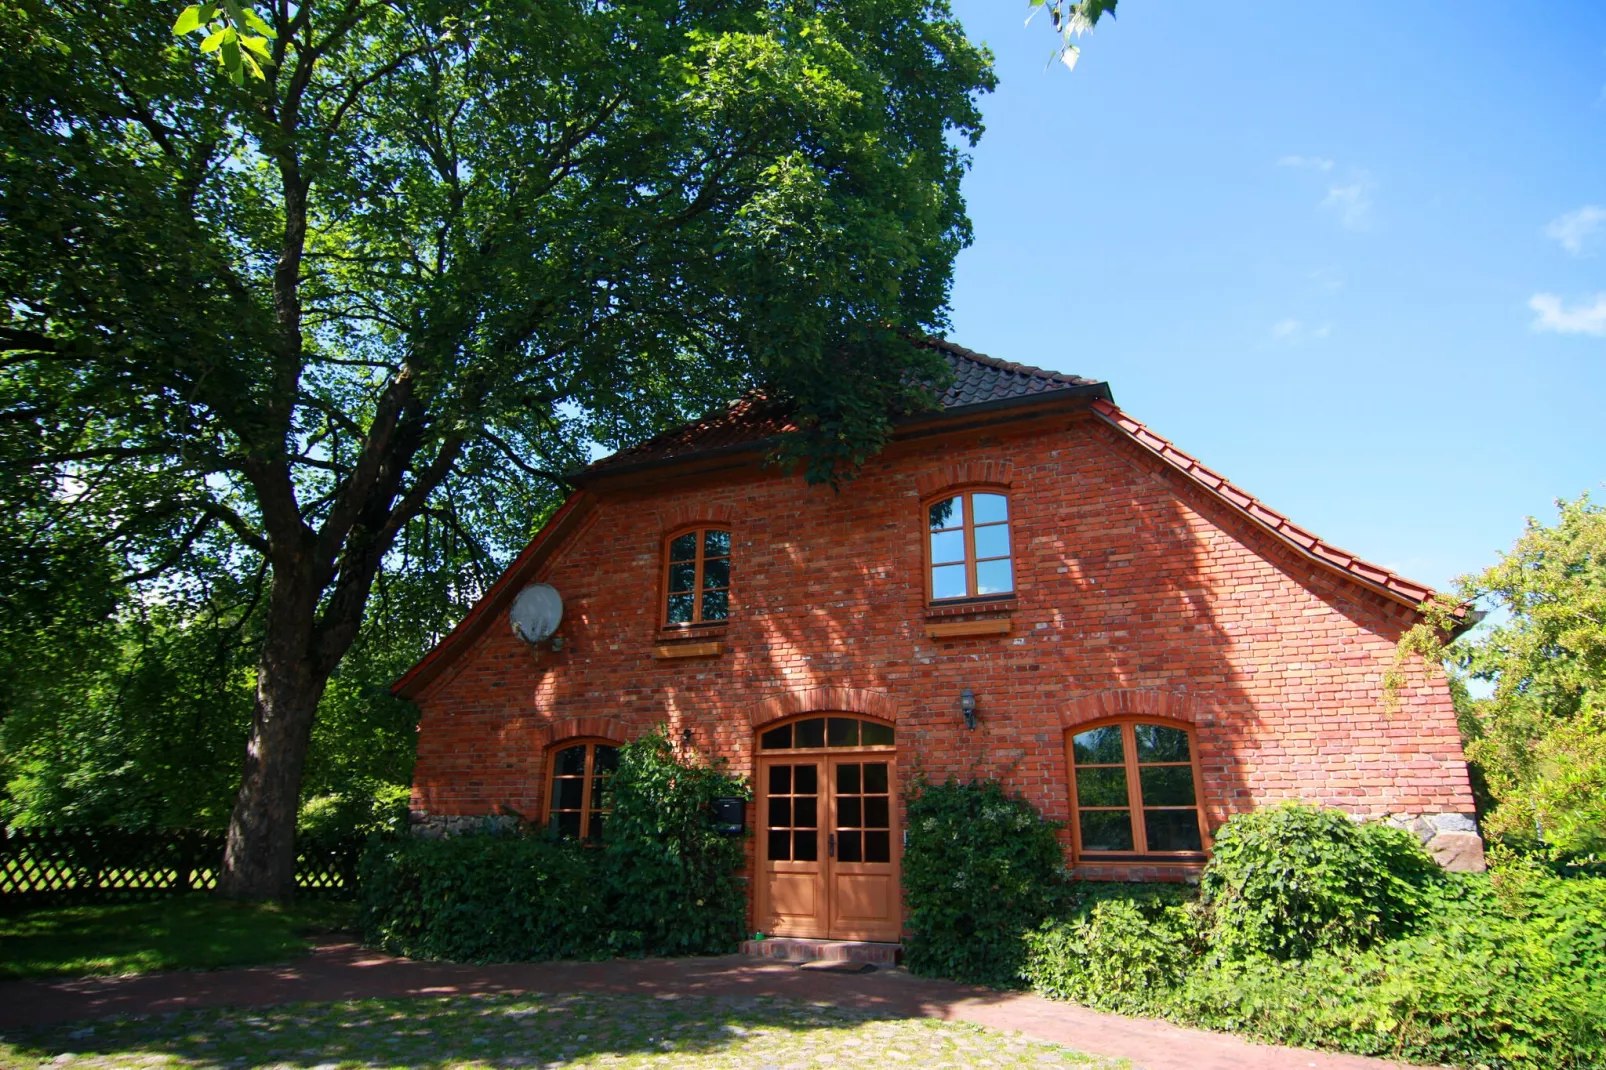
(54, 867)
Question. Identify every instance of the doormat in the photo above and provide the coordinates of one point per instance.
(837, 966)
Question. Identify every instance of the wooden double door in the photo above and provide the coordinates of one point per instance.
(829, 846)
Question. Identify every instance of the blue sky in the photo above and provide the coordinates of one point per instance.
(1351, 256)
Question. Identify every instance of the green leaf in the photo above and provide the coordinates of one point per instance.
(214, 39)
(253, 21)
(189, 20)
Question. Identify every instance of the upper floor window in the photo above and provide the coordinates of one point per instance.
(1134, 789)
(698, 579)
(969, 546)
(576, 803)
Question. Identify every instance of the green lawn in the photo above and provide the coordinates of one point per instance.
(703, 1033)
(188, 932)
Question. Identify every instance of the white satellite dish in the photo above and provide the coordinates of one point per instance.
(536, 613)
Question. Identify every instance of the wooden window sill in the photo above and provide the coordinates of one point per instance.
(688, 650)
(964, 629)
(694, 633)
(959, 608)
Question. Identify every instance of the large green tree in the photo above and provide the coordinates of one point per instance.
(410, 271)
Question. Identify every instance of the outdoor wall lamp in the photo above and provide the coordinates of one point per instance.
(685, 738)
(967, 706)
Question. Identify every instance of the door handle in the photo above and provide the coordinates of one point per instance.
(830, 845)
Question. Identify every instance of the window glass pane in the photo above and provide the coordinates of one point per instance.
(606, 759)
(780, 775)
(877, 812)
(598, 783)
(716, 605)
(679, 609)
(682, 574)
(1101, 787)
(842, 732)
(1172, 830)
(567, 823)
(1106, 830)
(947, 514)
(1098, 746)
(595, 832)
(811, 733)
(878, 847)
(875, 778)
(849, 815)
(991, 541)
(1157, 743)
(872, 734)
(806, 780)
(849, 847)
(572, 761)
(948, 581)
(805, 846)
(716, 544)
(781, 812)
(717, 573)
(994, 577)
(777, 739)
(947, 546)
(780, 845)
(990, 508)
(569, 793)
(1167, 785)
(847, 779)
(803, 815)
(683, 547)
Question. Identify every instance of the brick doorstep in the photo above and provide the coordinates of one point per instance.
(346, 971)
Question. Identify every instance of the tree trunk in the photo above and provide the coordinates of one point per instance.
(259, 861)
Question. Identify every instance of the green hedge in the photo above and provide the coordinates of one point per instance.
(663, 882)
(980, 869)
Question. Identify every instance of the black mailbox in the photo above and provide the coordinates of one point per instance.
(730, 815)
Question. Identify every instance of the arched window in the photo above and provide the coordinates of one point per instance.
(820, 733)
(1135, 791)
(580, 775)
(967, 547)
(697, 578)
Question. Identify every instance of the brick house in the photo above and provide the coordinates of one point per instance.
(1026, 585)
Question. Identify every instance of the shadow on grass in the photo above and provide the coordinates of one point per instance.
(534, 1031)
(186, 932)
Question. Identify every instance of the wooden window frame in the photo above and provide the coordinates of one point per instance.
(759, 750)
(1134, 793)
(969, 528)
(696, 623)
(590, 743)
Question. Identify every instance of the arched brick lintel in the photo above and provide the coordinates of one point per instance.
(1130, 702)
(821, 699)
(684, 516)
(587, 728)
(997, 473)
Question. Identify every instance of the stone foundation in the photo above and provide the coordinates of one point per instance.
(1452, 839)
(439, 826)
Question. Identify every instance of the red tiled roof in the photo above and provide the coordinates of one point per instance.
(1342, 560)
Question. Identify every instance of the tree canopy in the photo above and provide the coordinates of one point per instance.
(267, 340)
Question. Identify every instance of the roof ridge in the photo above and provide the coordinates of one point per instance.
(1002, 365)
(1344, 561)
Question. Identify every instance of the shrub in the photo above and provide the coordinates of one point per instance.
(663, 882)
(980, 869)
(483, 898)
(1124, 949)
(676, 883)
(1289, 880)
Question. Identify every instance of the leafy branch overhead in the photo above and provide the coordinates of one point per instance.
(235, 33)
(1071, 19)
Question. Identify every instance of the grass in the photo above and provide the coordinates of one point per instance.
(196, 932)
(628, 1032)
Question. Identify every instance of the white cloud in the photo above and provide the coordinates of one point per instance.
(1551, 315)
(1315, 163)
(1352, 203)
(1575, 228)
(1294, 332)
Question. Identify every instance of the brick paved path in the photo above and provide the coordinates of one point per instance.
(346, 971)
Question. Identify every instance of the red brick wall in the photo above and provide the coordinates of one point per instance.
(1136, 592)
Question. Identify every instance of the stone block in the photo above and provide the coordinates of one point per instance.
(1459, 852)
